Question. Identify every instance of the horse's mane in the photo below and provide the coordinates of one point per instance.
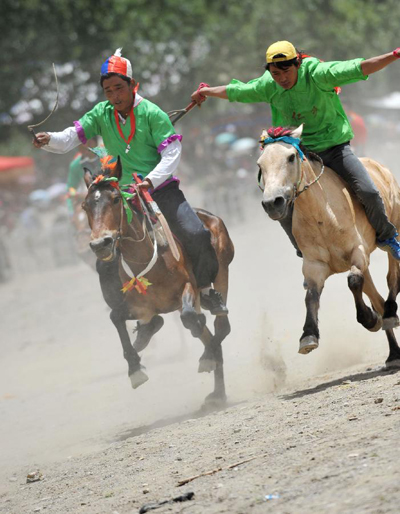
(108, 165)
(275, 132)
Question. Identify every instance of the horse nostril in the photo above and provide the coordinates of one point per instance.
(279, 202)
(108, 240)
(99, 244)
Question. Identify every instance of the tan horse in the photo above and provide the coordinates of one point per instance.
(159, 283)
(333, 234)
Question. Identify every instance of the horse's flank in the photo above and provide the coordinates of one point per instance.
(329, 223)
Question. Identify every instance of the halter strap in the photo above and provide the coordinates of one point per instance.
(294, 141)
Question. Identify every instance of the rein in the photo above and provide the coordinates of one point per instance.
(297, 193)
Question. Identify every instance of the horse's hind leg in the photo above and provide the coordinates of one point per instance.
(145, 331)
(390, 318)
(358, 283)
(212, 360)
(221, 323)
(393, 360)
(191, 319)
(380, 307)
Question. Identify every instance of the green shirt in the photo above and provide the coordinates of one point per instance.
(311, 101)
(153, 127)
(75, 173)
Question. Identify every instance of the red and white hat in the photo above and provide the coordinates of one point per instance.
(117, 64)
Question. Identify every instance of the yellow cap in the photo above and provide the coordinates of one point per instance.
(285, 50)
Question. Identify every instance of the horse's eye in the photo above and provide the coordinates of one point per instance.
(116, 199)
(291, 158)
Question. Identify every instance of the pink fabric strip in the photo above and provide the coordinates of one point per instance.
(81, 133)
(165, 183)
(167, 141)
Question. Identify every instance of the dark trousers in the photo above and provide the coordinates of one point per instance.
(188, 228)
(347, 165)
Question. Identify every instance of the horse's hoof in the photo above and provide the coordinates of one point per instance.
(378, 325)
(214, 402)
(138, 378)
(308, 344)
(207, 365)
(394, 364)
(389, 323)
(193, 321)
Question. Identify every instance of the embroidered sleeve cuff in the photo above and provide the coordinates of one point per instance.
(168, 141)
(81, 132)
(170, 158)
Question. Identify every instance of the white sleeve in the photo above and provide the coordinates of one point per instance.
(62, 142)
(170, 157)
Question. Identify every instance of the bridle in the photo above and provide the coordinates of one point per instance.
(295, 142)
(125, 196)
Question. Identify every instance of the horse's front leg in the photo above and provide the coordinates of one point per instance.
(111, 285)
(135, 371)
(315, 274)
(146, 330)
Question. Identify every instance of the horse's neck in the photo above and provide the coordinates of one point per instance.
(313, 199)
(136, 245)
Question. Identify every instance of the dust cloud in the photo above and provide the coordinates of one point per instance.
(64, 388)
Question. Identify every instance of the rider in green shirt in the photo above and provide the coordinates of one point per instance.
(142, 135)
(84, 158)
(302, 90)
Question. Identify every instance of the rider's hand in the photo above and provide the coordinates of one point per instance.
(41, 139)
(198, 97)
(145, 185)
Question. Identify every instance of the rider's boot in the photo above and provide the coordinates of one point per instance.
(391, 246)
(211, 300)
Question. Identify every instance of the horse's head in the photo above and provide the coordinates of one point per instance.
(104, 209)
(280, 169)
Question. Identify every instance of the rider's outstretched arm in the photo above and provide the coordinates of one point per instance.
(378, 63)
(217, 91)
(57, 142)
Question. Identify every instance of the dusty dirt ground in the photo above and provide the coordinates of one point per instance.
(322, 430)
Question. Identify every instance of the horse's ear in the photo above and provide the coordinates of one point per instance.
(88, 177)
(118, 169)
(264, 135)
(297, 132)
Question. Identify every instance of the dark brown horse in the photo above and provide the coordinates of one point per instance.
(155, 281)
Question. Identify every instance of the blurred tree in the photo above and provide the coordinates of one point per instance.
(173, 45)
